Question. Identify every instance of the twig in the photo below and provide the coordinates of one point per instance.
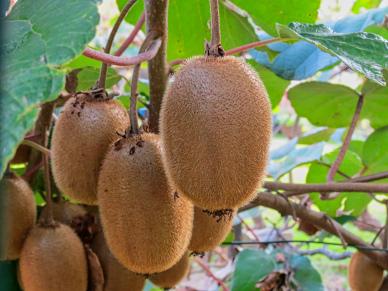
(370, 178)
(385, 237)
(241, 49)
(341, 155)
(248, 228)
(36, 146)
(104, 66)
(210, 274)
(323, 251)
(214, 48)
(135, 78)
(131, 37)
(156, 20)
(123, 61)
(330, 187)
(286, 241)
(319, 220)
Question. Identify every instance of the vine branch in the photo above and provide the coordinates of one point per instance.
(104, 66)
(320, 220)
(341, 155)
(131, 37)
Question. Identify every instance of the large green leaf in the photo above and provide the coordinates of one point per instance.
(363, 52)
(324, 104)
(188, 27)
(273, 83)
(317, 135)
(375, 154)
(266, 13)
(251, 267)
(351, 202)
(366, 4)
(376, 29)
(87, 78)
(8, 271)
(306, 276)
(39, 36)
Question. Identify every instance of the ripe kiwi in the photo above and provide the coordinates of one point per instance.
(146, 225)
(53, 258)
(19, 210)
(216, 130)
(364, 274)
(64, 211)
(117, 278)
(171, 277)
(81, 137)
(208, 231)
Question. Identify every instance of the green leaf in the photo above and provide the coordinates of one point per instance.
(251, 267)
(266, 13)
(324, 104)
(8, 271)
(306, 276)
(39, 36)
(275, 85)
(380, 30)
(317, 135)
(135, 12)
(87, 78)
(363, 52)
(367, 4)
(352, 202)
(375, 154)
(295, 158)
(357, 147)
(81, 62)
(187, 35)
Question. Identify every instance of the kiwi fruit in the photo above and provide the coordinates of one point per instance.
(64, 212)
(19, 212)
(116, 277)
(171, 277)
(146, 224)
(209, 231)
(53, 258)
(216, 128)
(81, 137)
(364, 274)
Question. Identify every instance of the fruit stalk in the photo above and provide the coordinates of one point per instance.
(134, 128)
(48, 219)
(215, 49)
(104, 66)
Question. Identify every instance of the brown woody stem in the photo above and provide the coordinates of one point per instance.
(104, 66)
(214, 48)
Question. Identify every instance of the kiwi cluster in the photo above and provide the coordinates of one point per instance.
(364, 274)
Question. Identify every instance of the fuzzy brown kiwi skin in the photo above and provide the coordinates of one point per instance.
(215, 128)
(53, 258)
(19, 211)
(81, 137)
(116, 277)
(171, 277)
(64, 212)
(208, 231)
(364, 274)
(146, 226)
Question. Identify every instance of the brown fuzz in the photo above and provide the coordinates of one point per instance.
(19, 210)
(53, 259)
(65, 212)
(116, 277)
(364, 274)
(146, 228)
(171, 277)
(216, 130)
(81, 137)
(209, 231)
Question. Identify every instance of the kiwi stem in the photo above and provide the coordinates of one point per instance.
(132, 36)
(215, 49)
(134, 129)
(36, 146)
(337, 163)
(104, 66)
